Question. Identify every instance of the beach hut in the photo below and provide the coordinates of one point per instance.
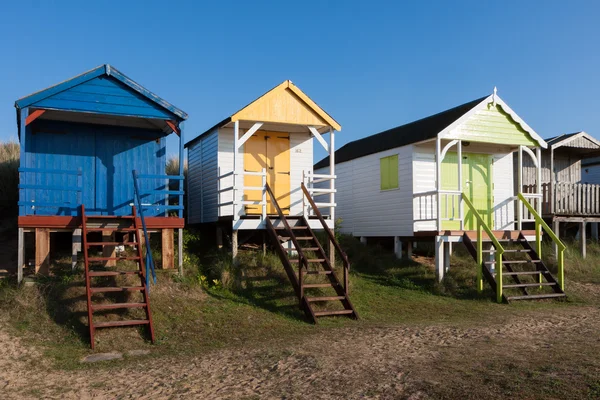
(448, 178)
(570, 195)
(80, 141)
(253, 172)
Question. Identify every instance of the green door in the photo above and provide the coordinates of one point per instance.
(477, 185)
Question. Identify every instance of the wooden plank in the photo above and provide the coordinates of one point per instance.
(42, 251)
(168, 252)
(33, 116)
(109, 251)
(66, 222)
(21, 255)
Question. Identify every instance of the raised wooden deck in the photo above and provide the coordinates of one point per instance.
(69, 223)
(499, 234)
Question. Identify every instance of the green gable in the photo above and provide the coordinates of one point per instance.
(493, 125)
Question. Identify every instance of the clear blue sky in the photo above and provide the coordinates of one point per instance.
(372, 65)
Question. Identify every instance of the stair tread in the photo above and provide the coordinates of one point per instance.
(513, 262)
(524, 273)
(113, 258)
(112, 244)
(115, 306)
(508, 251)
(317, 285)
(309, 260)
(116, 289)
(115, 229)
(121, 323)
(317, 272)
(113, 273)
(519, 285)
(292, 227)
(336, 312)
(324, 298)
(537, 296)
(88, 217)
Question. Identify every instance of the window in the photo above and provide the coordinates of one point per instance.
(388, 170)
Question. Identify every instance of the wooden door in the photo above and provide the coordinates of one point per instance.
(271, 151)
(477, 186)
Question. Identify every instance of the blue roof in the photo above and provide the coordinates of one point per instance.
(43, 98)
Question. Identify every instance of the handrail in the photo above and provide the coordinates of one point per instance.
(291, 233)
(149, 260)
(78, 189)
(540, 223)
(330, 234)
(498, 253)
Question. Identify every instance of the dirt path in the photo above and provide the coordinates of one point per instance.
(372, 363)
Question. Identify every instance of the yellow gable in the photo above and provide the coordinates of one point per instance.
(286, 104)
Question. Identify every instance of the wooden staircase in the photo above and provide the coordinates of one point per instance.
(529, 277)
(310, 271)
(108, 283)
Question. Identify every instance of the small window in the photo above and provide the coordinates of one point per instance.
(388, 170)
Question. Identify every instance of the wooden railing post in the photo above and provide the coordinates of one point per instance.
(479, 257)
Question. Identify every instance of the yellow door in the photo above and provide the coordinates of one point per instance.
(269, 150)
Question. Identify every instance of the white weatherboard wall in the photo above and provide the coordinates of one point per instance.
(424, 171)
(301, 159)
(364, 208)
(202, 173)
(504, 205)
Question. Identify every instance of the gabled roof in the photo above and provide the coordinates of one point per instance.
(574, 140)
(421, 130)
(267, 108)
(106, 70)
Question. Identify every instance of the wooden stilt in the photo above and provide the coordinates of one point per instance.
(75, 247)
(583, 239)
(450, 248)
(409, 249)
(439, 258)
(109, 251)
(264, 242)
(397, 247)
(556, 229)
(447, 247)
(180, 250)
(168, 251)
(21, 255)
(42, 251)
(234, 246)
(363, 240)
(331, 253)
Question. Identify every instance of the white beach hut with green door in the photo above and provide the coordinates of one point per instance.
(446, 178)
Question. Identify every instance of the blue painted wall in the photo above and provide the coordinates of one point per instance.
(105, 95)
(105, 154)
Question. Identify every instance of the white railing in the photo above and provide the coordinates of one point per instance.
(450, 208)
(311, 179)
(235, 202)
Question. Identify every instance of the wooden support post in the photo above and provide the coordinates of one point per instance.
(439, 258)
(556, 229)
(234, 246)
(168, 251)
(409, 249)
(397, 247)
(264, 242)
(447, 246)
(583, 239)
(42, 251)
(363, 240)
(450, 248)
(75, 247)
(109, 251)
(21, 255)
(332, 253)
(180, 251)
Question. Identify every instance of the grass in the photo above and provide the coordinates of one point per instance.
(9, 178)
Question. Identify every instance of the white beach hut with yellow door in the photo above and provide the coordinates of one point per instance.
(268, 142)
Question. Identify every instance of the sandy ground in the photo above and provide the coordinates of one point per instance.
(366, 363)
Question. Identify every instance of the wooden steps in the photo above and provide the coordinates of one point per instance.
(316, 287)
(121, 224)
(525, 273)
